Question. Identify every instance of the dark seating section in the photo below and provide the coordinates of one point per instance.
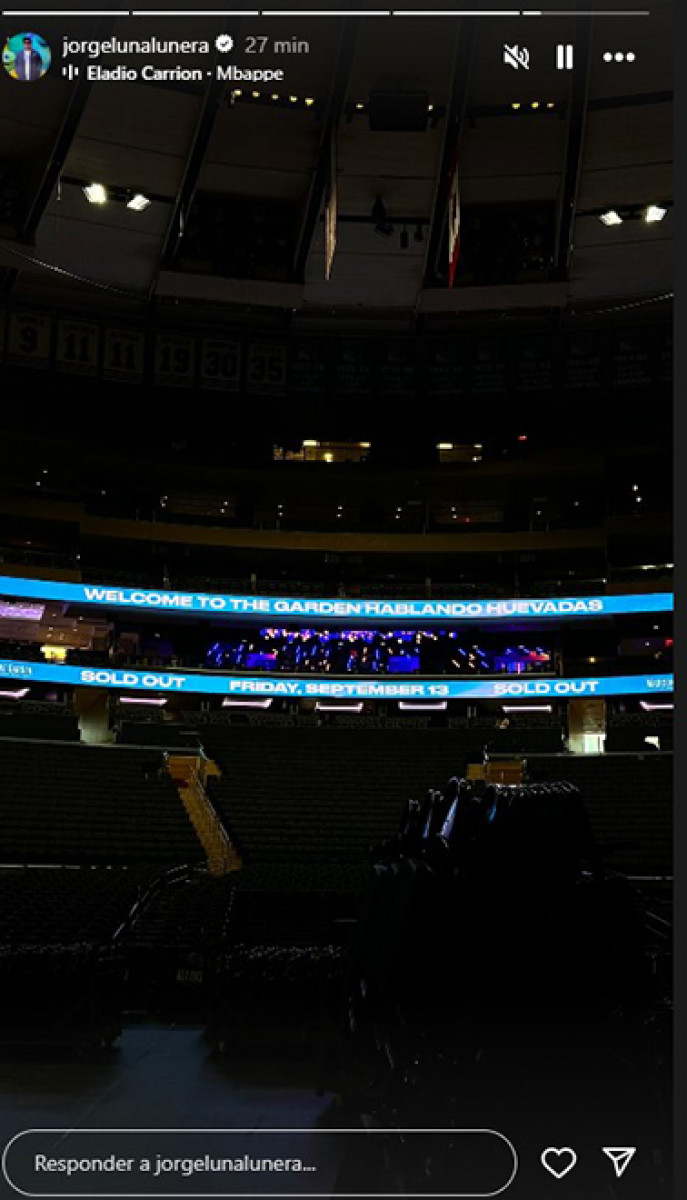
(86, 804)
(157, 733)
(170, 943)
(287, 933)
(140, 714)
(526, 733)
(629, 799)
(61, 970)
(57, 906)
(629, 731)
(36, 720)
(299, 795)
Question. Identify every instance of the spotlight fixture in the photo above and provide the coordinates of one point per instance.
(138, 202)
(95, 193)
(611, 217)
(309, 101)
(654, 213)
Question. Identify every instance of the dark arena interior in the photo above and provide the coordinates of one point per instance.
(336, 613)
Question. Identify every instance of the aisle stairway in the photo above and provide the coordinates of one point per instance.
(189, 772)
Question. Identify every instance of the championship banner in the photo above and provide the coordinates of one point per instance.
(293, 606)
(337, 689)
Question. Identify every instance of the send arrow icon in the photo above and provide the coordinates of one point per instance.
(620, 1156)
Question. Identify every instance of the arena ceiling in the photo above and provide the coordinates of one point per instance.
(600, 138)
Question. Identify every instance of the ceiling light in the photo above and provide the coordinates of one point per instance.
(654, 213)
(309, 101)
(95, 193)
(354, 708)
(535, 104)
(138, 203)
(611, 217)
(516, 104)
(507, 708)
(426, 706)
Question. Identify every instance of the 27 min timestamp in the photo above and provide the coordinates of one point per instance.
(268, 45)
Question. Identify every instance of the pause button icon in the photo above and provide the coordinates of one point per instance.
(564, 57)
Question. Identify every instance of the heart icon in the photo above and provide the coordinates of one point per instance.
(558, 1160)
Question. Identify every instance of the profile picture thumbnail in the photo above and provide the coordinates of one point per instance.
(26, 57)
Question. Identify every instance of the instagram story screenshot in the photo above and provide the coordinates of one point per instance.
(336, 600)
